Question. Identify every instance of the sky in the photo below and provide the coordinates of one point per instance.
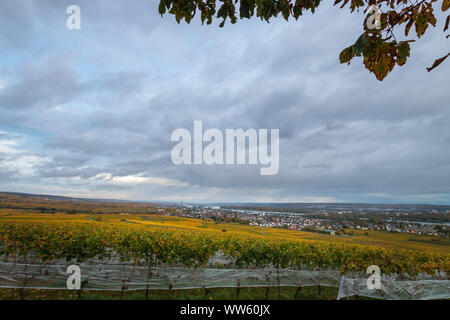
(90, 112)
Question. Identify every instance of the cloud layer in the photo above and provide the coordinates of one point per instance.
(91, 112)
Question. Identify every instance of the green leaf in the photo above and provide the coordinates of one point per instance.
(403, 50)
(359, 45)
(162, 8)
(346, 55)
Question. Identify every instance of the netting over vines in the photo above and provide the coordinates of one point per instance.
(122, 258)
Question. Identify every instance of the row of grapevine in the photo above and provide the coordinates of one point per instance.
(80, 242)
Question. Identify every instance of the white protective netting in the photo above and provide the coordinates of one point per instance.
(113, 275)
(394, 287)
(129, 277)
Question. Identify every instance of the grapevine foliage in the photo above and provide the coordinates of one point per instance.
(78, 242)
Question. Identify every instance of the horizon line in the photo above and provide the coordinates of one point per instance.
(220, 202)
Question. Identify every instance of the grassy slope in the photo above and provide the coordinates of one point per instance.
(285, 293)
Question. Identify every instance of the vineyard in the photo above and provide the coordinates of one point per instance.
(131, 257)
(78, 243)
(129, 247)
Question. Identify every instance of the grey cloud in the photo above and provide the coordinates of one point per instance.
(344, 135)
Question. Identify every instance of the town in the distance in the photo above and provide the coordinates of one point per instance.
(336, 219)
(339, 219)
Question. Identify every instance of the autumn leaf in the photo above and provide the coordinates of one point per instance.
(438, 62)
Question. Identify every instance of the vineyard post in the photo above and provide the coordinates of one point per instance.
(80, 291)
(414, 276)
(25, 280)
(149, 275)
(126, 280)
(319, 288)
(299, 288)
(278, 281)
(122, 291)
(238, 290)
(170, 284)
(268, 286)
(204, 283)
(14, 267)
(298, 282)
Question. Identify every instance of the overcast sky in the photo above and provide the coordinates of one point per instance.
(90, 112)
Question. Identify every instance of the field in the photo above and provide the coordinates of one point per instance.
(53, 229)
(143, 215)
(158, 222)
